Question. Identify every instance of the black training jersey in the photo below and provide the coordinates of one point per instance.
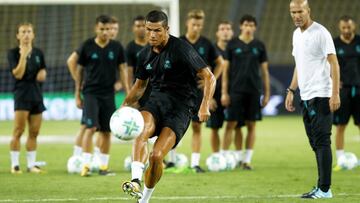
(132, 53)
(244, 70)
(173, 70)
(349, 60)
(100, 65)
(205, 49)
(27, 88)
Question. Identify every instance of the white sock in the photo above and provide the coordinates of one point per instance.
(146, 194)
(195, 159)
(137, 170)
(31, 158)
(87, 158)
(172, 156)
(339, 153)
(104, 160)
(77, 151)
(248, 156)
(14, 156)
(239, 155)
(97, 151)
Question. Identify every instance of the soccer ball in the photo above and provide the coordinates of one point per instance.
(181, 160)
(230, 160)
(216, 162)
(348, 161)
(126, 123)
(75, 164)
(95, 163)
(127, 163)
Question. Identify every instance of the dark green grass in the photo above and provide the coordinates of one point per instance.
(283, 162)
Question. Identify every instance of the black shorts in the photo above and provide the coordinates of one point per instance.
(317, 120)
(98, 110)
(34, 107)
(145, 96)
(244, 107)
(168, 112)
(350, 106)
(83, 120)
(199, 98)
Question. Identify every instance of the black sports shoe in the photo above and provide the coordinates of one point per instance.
(170, 165)
(198, 169)
(246, 166)
(312, 191)
(106, 173)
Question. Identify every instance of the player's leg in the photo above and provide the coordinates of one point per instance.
(215, 140)
(139, 156)
(20, 120)
(78, 141)
(216, 122)
(232, 116)
(239, 144)
(196, 146)
(249, 145)
(228, 133)
(35, 121)
(98, 144)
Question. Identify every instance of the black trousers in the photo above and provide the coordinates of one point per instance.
(317, 119)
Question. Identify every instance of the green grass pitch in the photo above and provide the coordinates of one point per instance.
(284, 166)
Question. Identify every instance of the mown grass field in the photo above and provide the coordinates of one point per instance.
(284, 166)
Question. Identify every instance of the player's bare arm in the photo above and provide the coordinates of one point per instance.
(41, 75)
(289, 101)
(209, 88)
(78, 82)
(135, 93)
(225, 98)
(20, 69)
(266, 82)
(334, 101)
(72, 64)
(130, 73)
(124, 77)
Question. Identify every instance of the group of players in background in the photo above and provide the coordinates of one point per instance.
(239, 64)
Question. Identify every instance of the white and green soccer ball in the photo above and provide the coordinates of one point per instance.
(95, 163)
(230, 160)
(127, 163)
(75, 164)
(216, 162)
(347, 161)
(181, 160)
(126, 123)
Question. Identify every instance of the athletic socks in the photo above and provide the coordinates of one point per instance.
(248, 156)
(239, 155)
(97, 151)
(195, 159)
(31, 158)
(87, 158)
(172, 156)
(146, 194)
(104, 161)
(77, 151)
(14, 156)
(137, 170)
(339, 153)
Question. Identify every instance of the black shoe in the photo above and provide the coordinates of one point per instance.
(198, 169)
(246, 166)
(106, 173)
(170, 165)
(309, 194)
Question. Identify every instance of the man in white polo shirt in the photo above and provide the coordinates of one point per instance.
(317, 75)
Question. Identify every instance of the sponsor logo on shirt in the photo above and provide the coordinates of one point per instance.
(37, 59)
(341, 52)
(358, 48)
(238, 50)
(94, 56)
(201, 50)
(255, 51)
(167, 64)
(148, 67)
(111, 55)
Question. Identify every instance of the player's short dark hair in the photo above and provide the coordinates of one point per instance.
(248, 18)
(114, 20)
(346, 18)
(103, 19)
(139, 18)
(197, 14)
(156, 16)
(225, 22)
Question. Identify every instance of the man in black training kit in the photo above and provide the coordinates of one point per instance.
(347, 47)
(132, 53)
(172, 67)
(242, 82)
(99, 58)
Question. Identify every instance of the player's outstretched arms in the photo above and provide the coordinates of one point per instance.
(135, 93)
(209, 88)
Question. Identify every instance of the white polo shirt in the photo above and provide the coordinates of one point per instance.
(310, 50)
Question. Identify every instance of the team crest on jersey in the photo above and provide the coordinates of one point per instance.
(37, 59)
(167, 64)
(148, 67)
(341, 52)
(358, 48)
(255, 51)
(238, 50)
(201, 50)
(94, 56)
(111, 55)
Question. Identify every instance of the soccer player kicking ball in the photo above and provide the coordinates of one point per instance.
(99, 58)
(317, 75)
(348, 52)
(172, 67)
